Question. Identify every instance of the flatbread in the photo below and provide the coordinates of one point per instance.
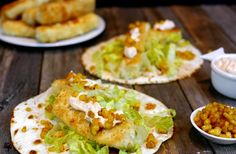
(24, 141)
(188, 68)
(26, 126)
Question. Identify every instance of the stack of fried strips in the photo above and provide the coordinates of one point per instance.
(49, 20)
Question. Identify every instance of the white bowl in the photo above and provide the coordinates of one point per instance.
(215, 139)
(223, 82)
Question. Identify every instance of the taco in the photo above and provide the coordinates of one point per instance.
(78, 115)
(144, 55)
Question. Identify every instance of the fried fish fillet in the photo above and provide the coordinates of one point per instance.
(18, 28)
(16, 8)
(61, 11)
(29, 16)
(67, 29)
(120, 136)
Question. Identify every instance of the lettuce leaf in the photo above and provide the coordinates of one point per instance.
(161, 123)
(171, 59)
(109, 57)
(61, 135)
(156, 48)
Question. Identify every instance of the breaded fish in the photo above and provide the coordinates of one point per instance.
(29, 16)
(67, 29)
(75, 115)
(63, 10)
(121, 136)
(18, 28)
(16, 8)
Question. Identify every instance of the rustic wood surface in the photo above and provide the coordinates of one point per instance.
(25, 72)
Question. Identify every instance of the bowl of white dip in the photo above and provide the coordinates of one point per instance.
(223, 74)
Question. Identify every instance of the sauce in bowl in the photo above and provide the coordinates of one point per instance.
(227, 64)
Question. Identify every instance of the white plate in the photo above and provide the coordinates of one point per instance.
(30, 42)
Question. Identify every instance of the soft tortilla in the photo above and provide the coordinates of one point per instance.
(23, 141)
(188, 68)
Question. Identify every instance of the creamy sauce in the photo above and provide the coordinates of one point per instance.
(135, 33)
(166, 25)
(92, 83)
(130, 52)
(86, 107)
(227, 65)
(95, 107)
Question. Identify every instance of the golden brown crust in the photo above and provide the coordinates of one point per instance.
(69, 29)
(16, 8)
(29, 16)
(117, 137)
(17, 28)
(63, 10)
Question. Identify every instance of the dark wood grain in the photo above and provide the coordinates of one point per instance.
(208, 34)
(54, 61)
(224, 17)
(24, 72)
(21, 73)
(185, 140)
(170, 94)
(195, 95)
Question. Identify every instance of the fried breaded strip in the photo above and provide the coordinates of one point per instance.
(63, 10)
(18, 28)
(29, 16)
(120, 136)
(68, 29)
(14, 9)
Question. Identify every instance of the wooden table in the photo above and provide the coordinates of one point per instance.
(25, 72)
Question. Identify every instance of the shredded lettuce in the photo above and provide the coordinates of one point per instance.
(171, 59)
(77, 88)
(161, 123)
(49, 102)
(156, 49)
(183, 43)
(61, 136)
(109, 57)
(109, 97)
(51, 99)
(123, 152)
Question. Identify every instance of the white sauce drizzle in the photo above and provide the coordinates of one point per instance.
(166, 25)
(95, 107)
(135, 33)
(130, 52)
(86, 107)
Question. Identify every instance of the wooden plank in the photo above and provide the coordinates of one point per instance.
(6, 58)
(203, 29)
(233, 7)
(57, 63)
(110, 30)
(21, 79)
(198, 97)
(116, 26)
(208, 35)
(185, 139)
(170, 93)
(224, 17)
